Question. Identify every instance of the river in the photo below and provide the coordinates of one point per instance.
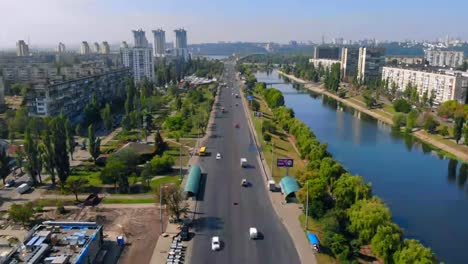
(427, 194)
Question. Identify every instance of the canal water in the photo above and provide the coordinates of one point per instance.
(427, 194)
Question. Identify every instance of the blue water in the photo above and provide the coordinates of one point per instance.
(427, 194)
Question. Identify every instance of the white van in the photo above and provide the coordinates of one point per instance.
(23, 188)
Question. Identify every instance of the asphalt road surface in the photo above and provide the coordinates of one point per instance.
(226, 209)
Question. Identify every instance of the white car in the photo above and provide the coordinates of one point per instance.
(215, 244)
(244, 183)
(218, 156)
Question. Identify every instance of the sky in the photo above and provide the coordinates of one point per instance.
(47, 22)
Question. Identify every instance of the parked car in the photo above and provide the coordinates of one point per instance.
(184, 233)
(23, 188)
(215, 244)
(10, 183)
(253, 233)
(218, 156)
(244, 183)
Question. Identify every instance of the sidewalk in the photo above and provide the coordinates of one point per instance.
(164, 241)
(287, 213)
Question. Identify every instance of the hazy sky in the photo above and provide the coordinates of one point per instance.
(46, 22)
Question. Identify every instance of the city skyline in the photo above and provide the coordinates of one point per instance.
(210, 21)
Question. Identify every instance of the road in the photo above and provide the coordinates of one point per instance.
(226, 209)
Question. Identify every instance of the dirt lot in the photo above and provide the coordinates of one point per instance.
(140, 226)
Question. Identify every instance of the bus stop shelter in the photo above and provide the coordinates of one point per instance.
(289, 187)
(193, 181)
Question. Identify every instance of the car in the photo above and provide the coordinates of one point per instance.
(184, 233)
(215, 244)
(236, 125)
(10, 183)
(218, 156)
(237, 104)
(244, 183)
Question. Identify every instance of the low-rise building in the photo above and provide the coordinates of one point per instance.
(325, 63)
(445, 84)
(61, 243)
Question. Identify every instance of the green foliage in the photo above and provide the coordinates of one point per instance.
(319, 200)
(333, 77)
(268, 126)
(365, 216)
(349, 189)
(115, 172)
(21, 213)
(443, 131)
(369, 98)
(411, 120)
(452, 108)
(159, 144)
(59, 143)
(4, 169)
(430, 124)
(34, 164)
(465, 134)
(386, 241)
(159, 165)
(413, 252)
(401, 105)
(458, 127)
(94, 143)
(266, 137)
(106, 115)
(91, 115)
(76, 185)
(273, 97)
(399, 120)
(70, 138)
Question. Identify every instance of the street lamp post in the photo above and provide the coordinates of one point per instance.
(307, 208)
(272, 156)
(160, 207)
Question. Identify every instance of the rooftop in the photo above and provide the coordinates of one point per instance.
(57, 243)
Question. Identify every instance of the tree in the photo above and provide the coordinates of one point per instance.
(413, 252)
(174, 199)
(60, 153)
(70, 138)
(365, 216)
(20, 156)
(32, 153)
(430, 124)
(465, 134)
(47, 155)
(411, 120)
(458, 127)
(76, 185)
(369, 99)
(114, 172)
(386, 241)
(349, 189)
(159, 144)
(106, 115)
(443, 131)
(94, 143)
(399, 120)
(21, 213)
(4, 169)
(401, 105)
(78, 129)
(319, 200)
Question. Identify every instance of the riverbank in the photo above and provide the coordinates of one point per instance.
(421, 135)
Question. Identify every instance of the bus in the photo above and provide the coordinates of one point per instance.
(202, 151)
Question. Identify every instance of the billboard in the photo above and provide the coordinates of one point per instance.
(288, 163)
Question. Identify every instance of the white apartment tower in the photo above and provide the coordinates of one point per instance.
(105, 49)
(139, 58)
(84, 49)
(22, 49)
(96, 48)
(159, 43)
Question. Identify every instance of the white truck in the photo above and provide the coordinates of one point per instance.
(253, 233)
(23, 188)
(271, 185)
(243, 162)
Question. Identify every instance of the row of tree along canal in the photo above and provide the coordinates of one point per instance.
(427, 194)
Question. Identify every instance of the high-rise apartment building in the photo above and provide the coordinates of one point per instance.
(444, 58)
(2, 92)
(61, 48)
(159, 43)
(325, 52)
(445, 84)
(96, 48)
(370, 62)
(181, 44)
(139, 58)
(84, 49)
(22, 49)
(105, 49)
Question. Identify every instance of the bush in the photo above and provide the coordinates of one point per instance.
(266, 137)
(401, 105)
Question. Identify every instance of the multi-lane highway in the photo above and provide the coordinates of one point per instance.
(226, 209)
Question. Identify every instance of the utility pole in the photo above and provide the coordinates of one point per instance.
(272, 156)
(307, 208)
(160, 207)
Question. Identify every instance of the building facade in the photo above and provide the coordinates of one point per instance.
(73, 87)
(370, 62)
(61, 48)
(22, 49)
(444, 58)
(159, 43)
(84, 49)
(325, 63)
(325, 52)
(139, 58)
(96, 48)
(181, 49)
(349, 62)
(445, 84)
(105, 48)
